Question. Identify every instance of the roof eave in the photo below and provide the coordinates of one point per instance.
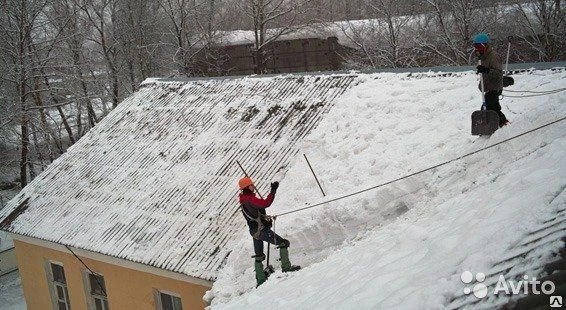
(111, 260)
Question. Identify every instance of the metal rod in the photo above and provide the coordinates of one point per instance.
(506, 61)
(269, 245)
(273, 218)
(268, 250)
(247, 175)
(508, 52)
(483, 107)
(317, 182)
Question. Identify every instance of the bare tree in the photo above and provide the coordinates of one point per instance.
(38, 99)
(335, 10)
(449, 31)
(271, 20)
(196, 29)
(20, 20)
(380, 41)
(102, 16)
(543, 27)
(68, 18)
(361, 35)
(137, 30)
(182, 15)
(390, 27)
(208, 54)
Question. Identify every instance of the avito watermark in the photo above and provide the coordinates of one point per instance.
(524, 286)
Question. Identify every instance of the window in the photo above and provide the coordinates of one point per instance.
(167, 301)
(97, 292)
(58, 283)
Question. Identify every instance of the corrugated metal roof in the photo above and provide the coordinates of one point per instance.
(155, 181)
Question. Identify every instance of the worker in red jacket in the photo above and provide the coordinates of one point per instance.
(260, 224)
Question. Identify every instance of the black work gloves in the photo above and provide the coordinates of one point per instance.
(274, 187)
(508, 81)
(482, 69)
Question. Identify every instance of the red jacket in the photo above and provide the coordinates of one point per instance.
(253, 209)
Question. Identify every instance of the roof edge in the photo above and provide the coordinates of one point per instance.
(292, 75)
(111, 260)
(512, 67)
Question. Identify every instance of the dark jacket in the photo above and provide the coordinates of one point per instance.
(253, 209)
(493, 80)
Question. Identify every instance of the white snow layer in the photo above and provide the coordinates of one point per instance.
(11, 293)
(405, 245)
(5, 241)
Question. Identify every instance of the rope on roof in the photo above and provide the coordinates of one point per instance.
(421, 171)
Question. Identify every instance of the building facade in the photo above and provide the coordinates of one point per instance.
(52, 275)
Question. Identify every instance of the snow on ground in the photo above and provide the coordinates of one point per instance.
(11, 293)
(405, 245)
(5, 241)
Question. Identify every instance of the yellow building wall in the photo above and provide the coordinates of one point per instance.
(126, 288)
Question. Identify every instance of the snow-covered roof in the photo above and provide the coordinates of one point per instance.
(155, 181)
(407, 245)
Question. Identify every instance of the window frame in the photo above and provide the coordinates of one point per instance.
(92, 297)
(54, 285)
(158, 302)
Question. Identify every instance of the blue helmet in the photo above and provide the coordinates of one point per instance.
(481, 38)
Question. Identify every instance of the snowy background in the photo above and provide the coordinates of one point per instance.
(11, 293)
(406, 245)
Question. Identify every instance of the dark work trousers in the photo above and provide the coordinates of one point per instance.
(266, 235)
(492, 103)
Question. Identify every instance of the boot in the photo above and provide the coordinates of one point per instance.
(260, 275)
(285, 263)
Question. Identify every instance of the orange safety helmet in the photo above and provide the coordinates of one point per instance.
(245, 182)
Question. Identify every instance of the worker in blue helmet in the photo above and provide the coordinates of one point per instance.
(490, 68)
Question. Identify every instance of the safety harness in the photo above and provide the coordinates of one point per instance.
(260, 225)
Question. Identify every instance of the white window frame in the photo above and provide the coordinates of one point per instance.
(158, 303)
(54, 285)
(91, 298)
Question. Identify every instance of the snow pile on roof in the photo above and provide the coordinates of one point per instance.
(406, 245)
(341, 30)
